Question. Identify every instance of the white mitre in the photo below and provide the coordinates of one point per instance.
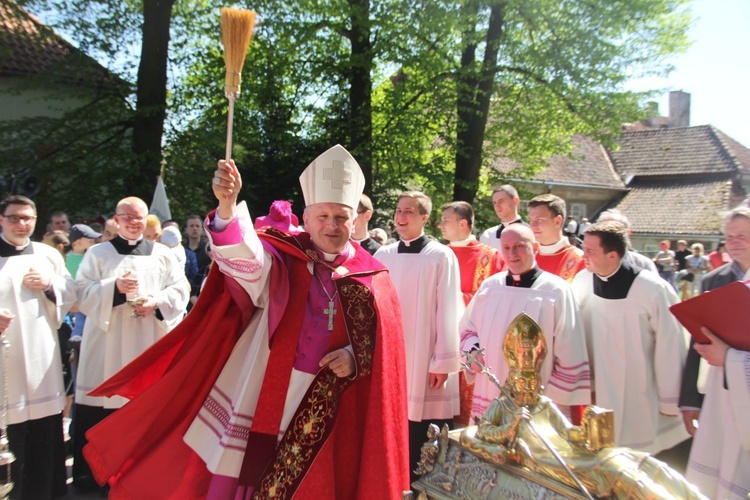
(333, 177)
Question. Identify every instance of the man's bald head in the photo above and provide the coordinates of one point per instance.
(132, 201)
(131, 217)
(518, 248)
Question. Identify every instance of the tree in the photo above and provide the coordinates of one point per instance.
(151, 94)
(426, 93)
(100, 27)
(71, 132)
(527, 75)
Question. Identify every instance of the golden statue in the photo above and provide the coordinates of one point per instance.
(523, 428)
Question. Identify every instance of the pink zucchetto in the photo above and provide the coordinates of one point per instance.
(279, 216)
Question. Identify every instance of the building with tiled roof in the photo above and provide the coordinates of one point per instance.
(57, 105)
(668, 152)
(671, 180)
(586, 178)
(680, 181)
(34, 61)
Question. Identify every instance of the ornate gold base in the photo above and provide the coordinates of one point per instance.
(465, 475)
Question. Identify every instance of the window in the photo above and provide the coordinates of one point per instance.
(651, 250)
(577, 210)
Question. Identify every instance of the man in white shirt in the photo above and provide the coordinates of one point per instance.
(720, 456)
(549, 301)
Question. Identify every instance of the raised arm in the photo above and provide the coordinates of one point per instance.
(226, 185)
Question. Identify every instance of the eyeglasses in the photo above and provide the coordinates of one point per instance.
(15, 219)
(131, 218)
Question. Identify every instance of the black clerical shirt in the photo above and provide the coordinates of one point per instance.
(524, 280)
(414, 246)
(618, 285)
(8, 250)
(502, 226)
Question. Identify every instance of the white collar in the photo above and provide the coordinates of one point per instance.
(132, 243)
(463, 243)
(607, 278)
(408, 242)
(555, 247)
(330, 257)
(514, 219)
(17, 247)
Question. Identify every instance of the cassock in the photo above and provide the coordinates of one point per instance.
(426, 276)
(561, 259)
(491, 236)
(720, 457)
(257, 414)
(36, 393)
(549, 301)
(35, 387)
(637, 351)
(476, 262)
(112, 337)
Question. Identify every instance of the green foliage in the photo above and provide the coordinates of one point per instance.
(81, 156)
(560, 70)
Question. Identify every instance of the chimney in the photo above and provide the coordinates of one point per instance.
(679, 109)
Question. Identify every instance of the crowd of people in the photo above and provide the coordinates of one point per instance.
(76, 308)
(317, 356)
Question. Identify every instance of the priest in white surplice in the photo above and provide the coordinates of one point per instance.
(720, 457)
(36, 292)
(549, 301)
(428, 282)
(133, 292)
(636, 347)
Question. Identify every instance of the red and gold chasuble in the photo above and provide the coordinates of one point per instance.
(329, 447)
(476, 262)
(565, 263)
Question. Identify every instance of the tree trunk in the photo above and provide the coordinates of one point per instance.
(475, 88)
(151, 107)
(360, 88)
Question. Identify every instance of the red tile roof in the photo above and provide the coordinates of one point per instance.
(588, 165)
(669, 207)
(28, 47)
(701, 150)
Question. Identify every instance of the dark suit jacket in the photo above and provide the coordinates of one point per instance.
(689, 395)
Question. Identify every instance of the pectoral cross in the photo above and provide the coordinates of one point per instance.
(330, 312)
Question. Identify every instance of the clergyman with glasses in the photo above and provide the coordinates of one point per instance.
(36, 292)
(133, 292)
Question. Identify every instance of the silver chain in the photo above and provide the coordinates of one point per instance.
(330, 297)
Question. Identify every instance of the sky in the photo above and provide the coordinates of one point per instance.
(715, 70)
